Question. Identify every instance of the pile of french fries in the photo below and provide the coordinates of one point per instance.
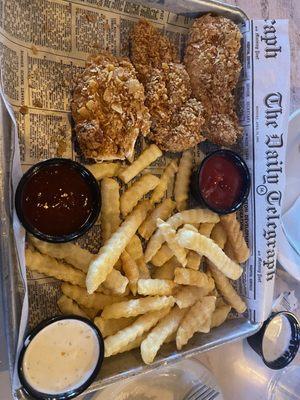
(163, 272)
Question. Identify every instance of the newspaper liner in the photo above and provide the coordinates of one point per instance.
(38, 66)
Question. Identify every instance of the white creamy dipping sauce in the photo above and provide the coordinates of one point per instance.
(61, 357)
(276, 338)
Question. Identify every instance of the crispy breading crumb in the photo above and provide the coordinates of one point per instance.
(108, 108)
(213, 65)
(211, 56)
(149, 49)
(176, 119)
(183, 130)
(167, 90)
(223, 129)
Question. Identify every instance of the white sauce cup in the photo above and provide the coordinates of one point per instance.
(60, 358)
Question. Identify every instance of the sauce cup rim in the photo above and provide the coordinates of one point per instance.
(73, 392)
(246, 185)
(88, 177)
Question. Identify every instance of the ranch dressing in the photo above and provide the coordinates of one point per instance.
(276, 338)
(61, 357)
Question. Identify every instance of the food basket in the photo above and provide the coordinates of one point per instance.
(13, 287)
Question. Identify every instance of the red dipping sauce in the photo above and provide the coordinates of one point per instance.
(57, 200)
(221, 182)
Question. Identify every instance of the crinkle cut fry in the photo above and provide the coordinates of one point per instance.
(165, 327)
(163, 211)
(236, 237)
(132, 308)
(148, 156)
(192, 216)
(181, 190)
(208, 248)
(110, 207)
(136, 191)
(114, 344)
(170, 236)
(109, 254)
(165, 179)
(194, 320)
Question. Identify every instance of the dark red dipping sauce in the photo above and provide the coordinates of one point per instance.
(56, 200)
(220, 182)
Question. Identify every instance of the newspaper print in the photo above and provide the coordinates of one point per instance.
(43, 47)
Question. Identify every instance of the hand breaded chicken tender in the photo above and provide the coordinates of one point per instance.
(177, 119)
(167, 89)
(149, 49)
(108, 108)
(212, 62)
(184, 130)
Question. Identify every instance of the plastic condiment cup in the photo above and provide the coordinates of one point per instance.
(277, 342)
(240, 166)
(86, 180)
(34, 365)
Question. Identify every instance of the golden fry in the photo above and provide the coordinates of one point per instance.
(131, 270)
(132, 308)
(96, 300)
(116, 282)
(219, 235)
(194, 320)
(163, 211)
(192, 216)
(220, 301)
(51, 267)
(194, 258)
(110, 207)
(143, 268)
(81, 259)
(191, 227)
(147, 157)
(113, 344)
(170, 237)
(228, 250)
(222, 282)
(110, 327)
(235, 237)
(207, 247)
(135, 248)
(186, 296)
(185, 276)
(165, 327)
(181, 190)
(166, 271)
(153, 287)
(134, 344)
(90, 312)
(163, 255)
(109, 254)
(171, 338)
(227, 290)
(136, 192)
(206, 229)
(220, 315)
(165, 179)
(69, 307)
(103, 170)
(69, 252)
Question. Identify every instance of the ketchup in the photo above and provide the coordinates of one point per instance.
(220, 182)
(57, 200)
